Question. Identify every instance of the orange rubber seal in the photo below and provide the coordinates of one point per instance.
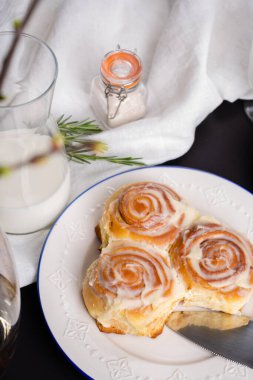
(121, 68)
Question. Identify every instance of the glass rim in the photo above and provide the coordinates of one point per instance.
(48, 48)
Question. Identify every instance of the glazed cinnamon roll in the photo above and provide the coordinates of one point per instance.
(216, 265)
(145, 211)
(131, 289)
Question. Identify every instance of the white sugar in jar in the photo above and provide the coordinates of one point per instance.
(118, 96)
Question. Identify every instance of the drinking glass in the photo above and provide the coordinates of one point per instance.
(9, 304)
(34, 173)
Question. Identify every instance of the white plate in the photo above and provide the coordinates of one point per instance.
(70, 248)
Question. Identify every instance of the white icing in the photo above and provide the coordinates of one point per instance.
(146, 267)
(155, 220)
(228, 246)
(182, 208)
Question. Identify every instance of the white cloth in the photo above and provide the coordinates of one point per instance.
(195, 54)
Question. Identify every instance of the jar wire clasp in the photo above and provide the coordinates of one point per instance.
(113, 92)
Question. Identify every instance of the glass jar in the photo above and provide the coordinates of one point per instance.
(118, 95)
(34, 172)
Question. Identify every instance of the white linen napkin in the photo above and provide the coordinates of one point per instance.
(195, 54)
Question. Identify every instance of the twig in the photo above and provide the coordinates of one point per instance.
(19, 27)
(56, 145)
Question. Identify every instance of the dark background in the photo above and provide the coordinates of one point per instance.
(223, 146)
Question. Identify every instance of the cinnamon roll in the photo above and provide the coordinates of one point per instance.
(216, 265)
(131, 288)
(145, 211)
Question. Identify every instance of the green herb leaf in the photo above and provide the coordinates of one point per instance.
(5, 170)
(77, 146)
(88, 158)
(17, 24)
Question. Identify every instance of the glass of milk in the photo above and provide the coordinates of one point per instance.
(34, 177)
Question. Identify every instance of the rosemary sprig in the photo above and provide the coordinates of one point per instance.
(73, 130)
(77, 146)
(87, 158)
(74, 135)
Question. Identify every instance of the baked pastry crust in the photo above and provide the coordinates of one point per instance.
(212, 319)
(216, 265)
(131, 289)
(145, 211)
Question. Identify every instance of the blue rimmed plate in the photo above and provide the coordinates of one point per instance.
(71, 246)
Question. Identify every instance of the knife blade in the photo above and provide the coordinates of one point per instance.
(229, 336)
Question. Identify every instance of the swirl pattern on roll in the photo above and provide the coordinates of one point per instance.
(215, 257)
(148, 210)
(131, 274)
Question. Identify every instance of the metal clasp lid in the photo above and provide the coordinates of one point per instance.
(112, 93)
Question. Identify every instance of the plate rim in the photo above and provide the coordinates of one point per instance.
(79, 196)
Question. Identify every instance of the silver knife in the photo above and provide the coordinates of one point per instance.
(229, 336)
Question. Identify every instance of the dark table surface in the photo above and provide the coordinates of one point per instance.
(223, 145)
